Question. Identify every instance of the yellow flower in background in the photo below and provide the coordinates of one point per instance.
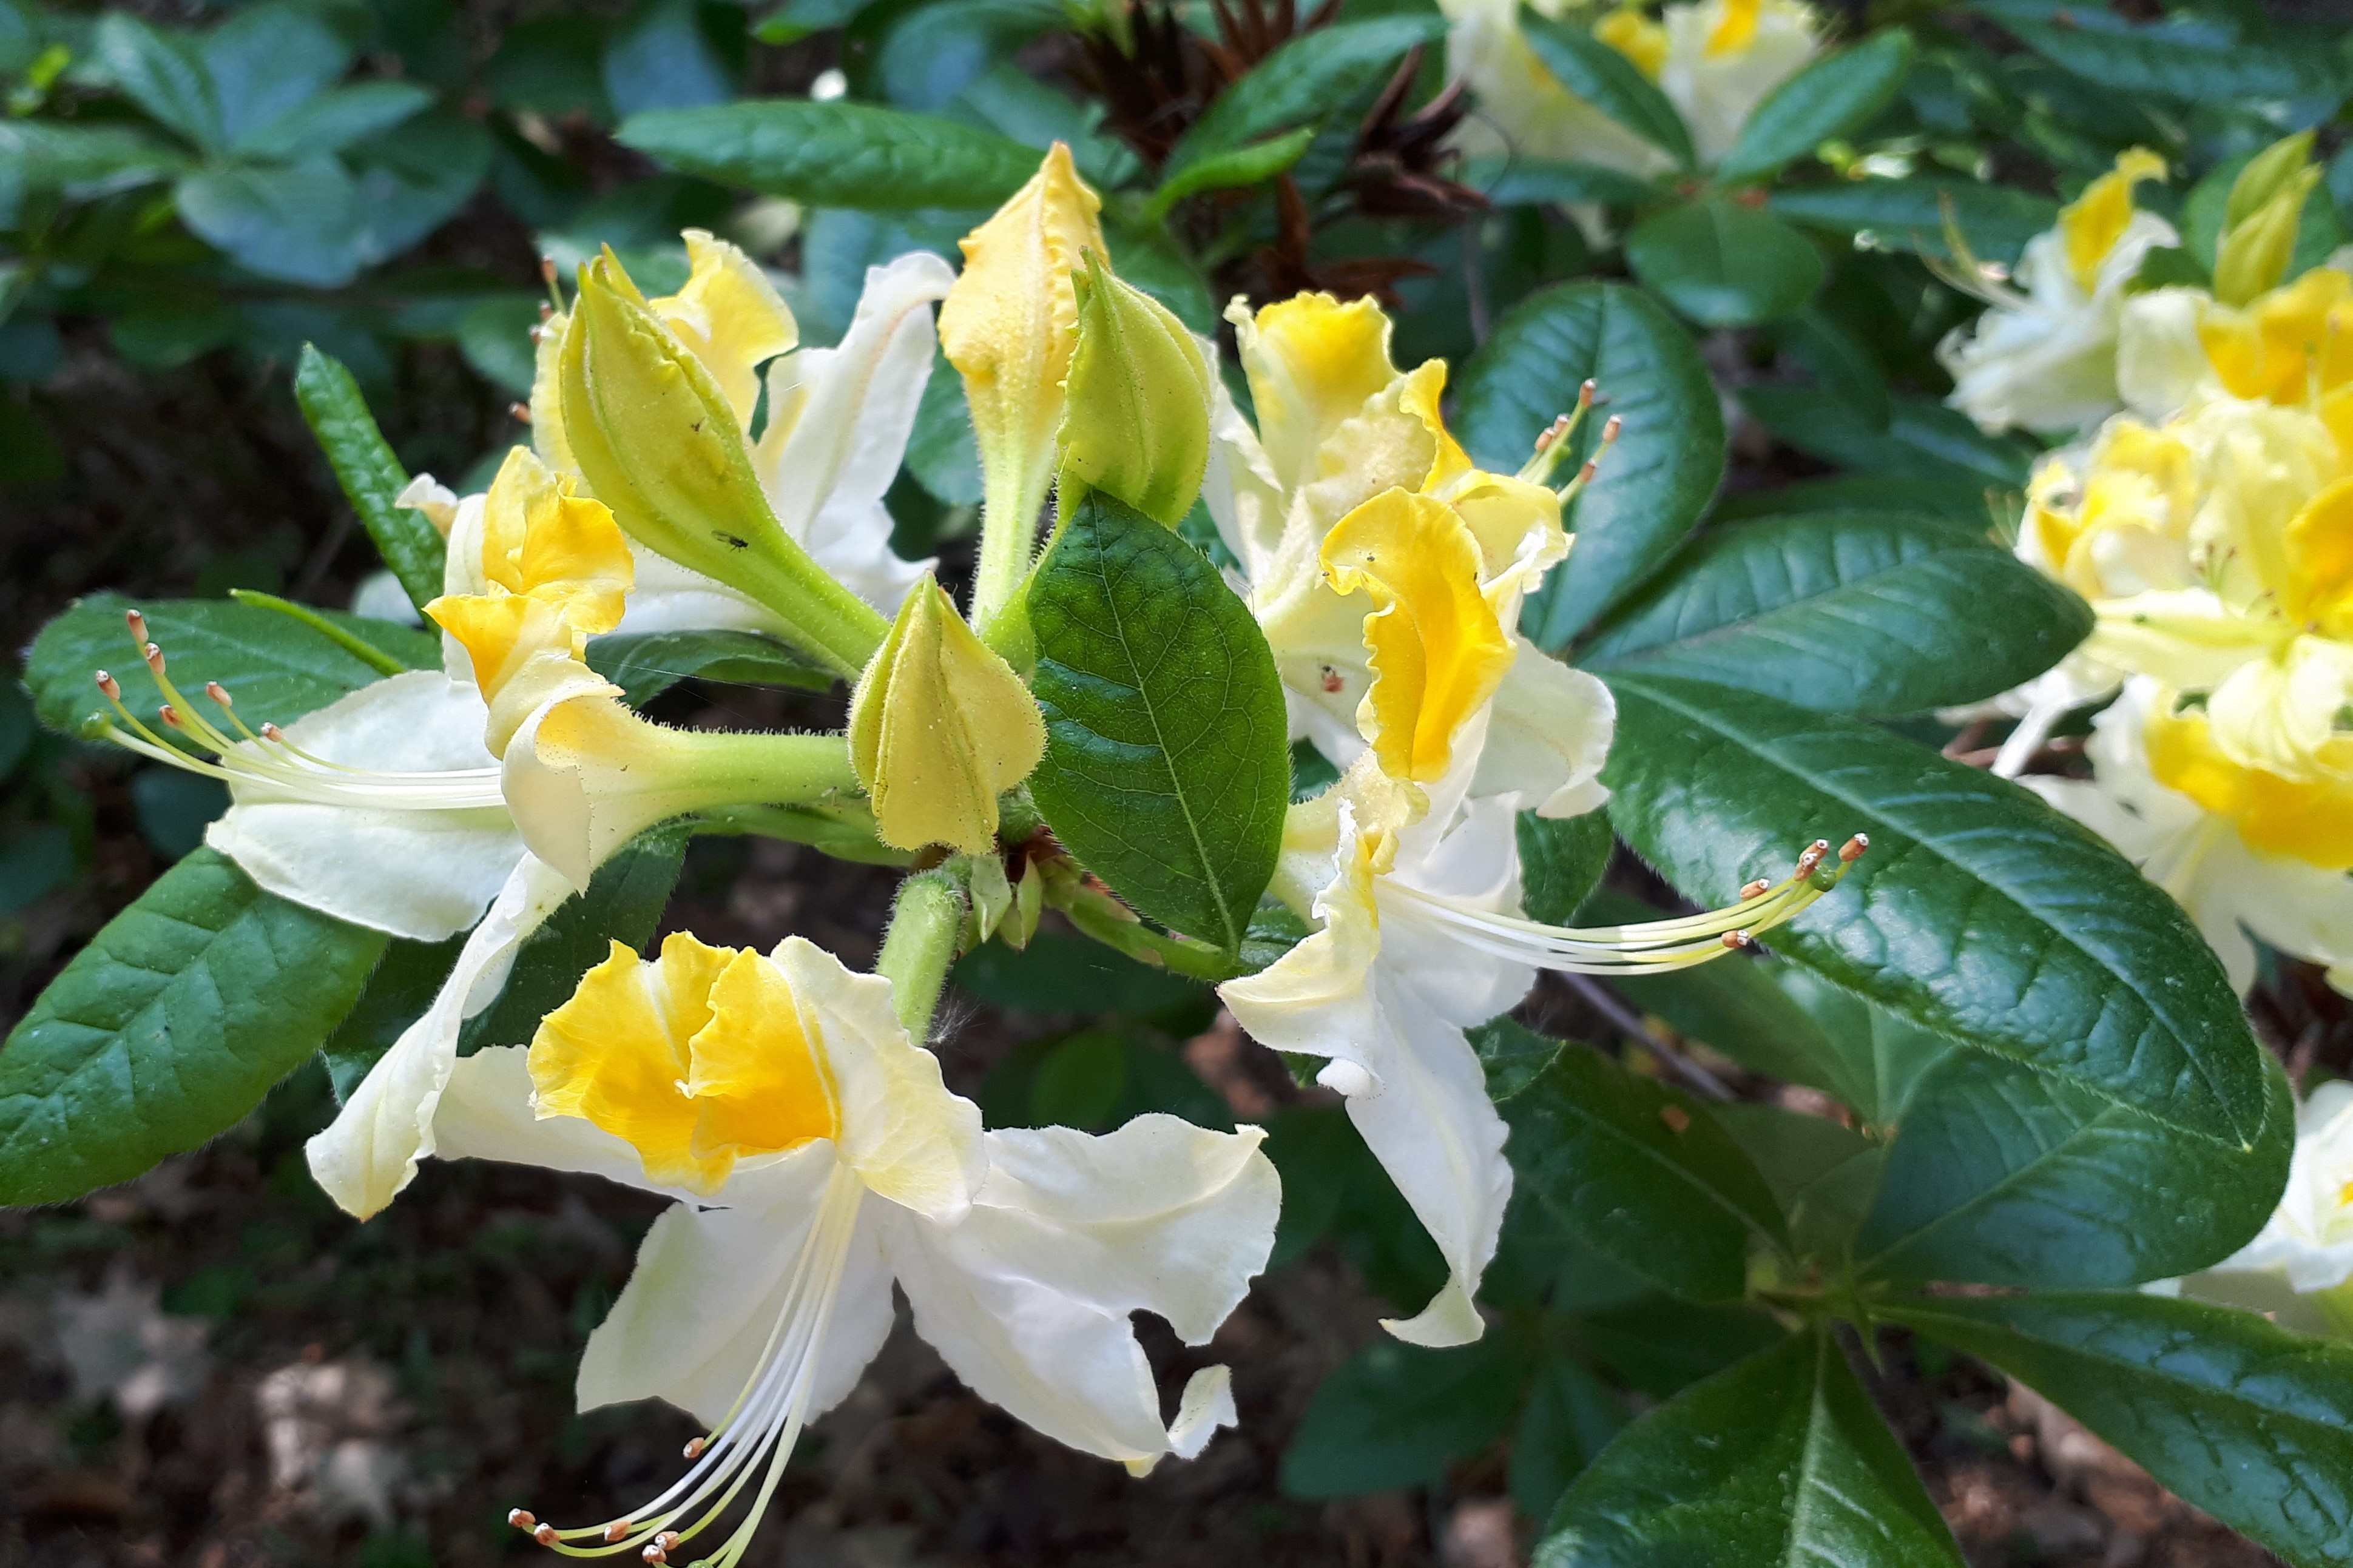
(1714, 59)
(2043, 356)
(819, 1159)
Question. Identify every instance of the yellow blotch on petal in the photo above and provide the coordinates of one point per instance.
(2292, 345)
(2320, 563)
(1644, 42)
(2309, 819)
(756, 1082)
(1438, 649)
(2092, 223)
(939, 727)
(730, 316)
(1313, 363)
(695, 1059)
(1737, 30)
(541, 536)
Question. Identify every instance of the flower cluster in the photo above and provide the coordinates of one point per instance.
(692, 467)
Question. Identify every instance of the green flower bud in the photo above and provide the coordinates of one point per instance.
(657, 441)
(939, 727)
(2254, 256)
(1136, 421)
(2266, 175)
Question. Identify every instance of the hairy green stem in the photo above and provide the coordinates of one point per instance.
(925, 924)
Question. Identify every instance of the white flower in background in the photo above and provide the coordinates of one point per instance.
(1716, 60)
(1409, 865)
(2297, 1268)
(2046, 359)
(818, 1157)
(2241, 850)
(1338, 427)
(836, 424)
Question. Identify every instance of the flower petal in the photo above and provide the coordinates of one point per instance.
(486, 1113)
(1160, 1215)
(711, 1284)
(369, 1152)
(1548, 734)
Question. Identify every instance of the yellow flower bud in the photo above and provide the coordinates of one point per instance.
(656, 436)
(1137, 423)
(1009, 326)
(2253, 257)
(939, 727)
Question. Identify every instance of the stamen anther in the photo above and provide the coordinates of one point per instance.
(695, 1445)
(1751, 890)
(520, 411)
(1738, 939)
(544, 1535)
(1851, 851)
(155, 657)
(619, 1528)
(523, 1519)
(272, 732)
(138, 624)
(655, 1554)
(1584, 396)
(111, 687)
(668, 1540)
(170, 715)
(218, 693)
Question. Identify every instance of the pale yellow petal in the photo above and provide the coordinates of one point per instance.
(730, 316)
(756, 1085)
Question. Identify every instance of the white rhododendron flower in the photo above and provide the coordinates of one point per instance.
(817, 1157)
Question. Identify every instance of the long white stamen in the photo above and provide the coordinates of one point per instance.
(757, 1436)
(270, 763)
(1650, 947)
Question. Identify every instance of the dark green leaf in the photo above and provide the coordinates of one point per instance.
(1510, 180)
(1608, 80)
(1561, 862)
(1782, 1459)
(1837, 95)
(1313, 75)
(1395, 1414)
(1638, 1172)
(301, 222)
(1512, 1055)
(174, 808)
(2246, 1420)
(1659, 1345)
(1146, 257)
(1909, 215)
(658, 57)
(277, 669)
(36, 156)
(335, 120)
(644, 664)
(1724, 263)
(1056, 973)
(1659, 476)
(264, 60)
(1979, 913)
(2005, 1177)
(1921, 438)
(414, 177)
(1960, 499)
(623, 903)
(397, 994)
(1097, 1080)
(1846, 613)
(2187, 58)
(1839, 359)
(168, 1027)
(495, 336)
(371, 476)
(1167, 765)
(1569, 1417)
(1333, 1186)
(34, 861)
(163, 74)
(836, 154)
(1823, 1174)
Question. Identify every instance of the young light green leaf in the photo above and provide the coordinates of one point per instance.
(1979, 914)
(168, 1027)
(1909, 214)
(1837, 95)
(1782, 1459)
(1655, 481)
(836, 154)
(371, 475)
(2240, 1417)
(2003, 1177)
(1239, 166)
(1846, 613)
(1638, 1172)
(1167, 765)
(1395, 1414)
(275, 668)
(1724, 263)
(644, 664)
(1313, 75)
(1609, 81)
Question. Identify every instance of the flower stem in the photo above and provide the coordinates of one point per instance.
(925, 924)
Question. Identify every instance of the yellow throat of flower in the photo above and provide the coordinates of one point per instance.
(2292, 345)
(2092, 223)
(1736, 30)
(1644, 42)
(696, 1059)
(2306, 819)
